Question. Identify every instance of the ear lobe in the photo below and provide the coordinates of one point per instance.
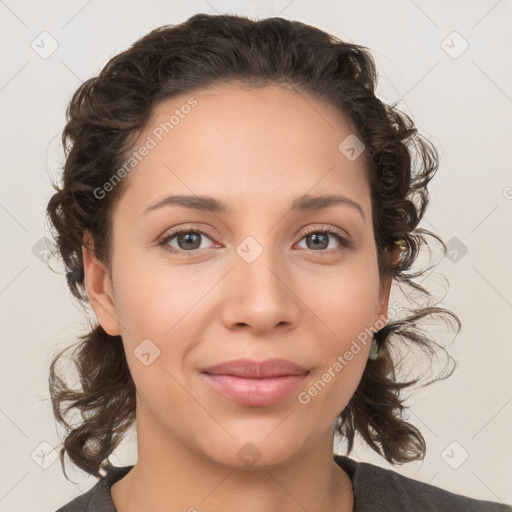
(99, 287)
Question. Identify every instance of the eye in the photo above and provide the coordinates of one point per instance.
(319, 239)
(186, 239)
(189, 240)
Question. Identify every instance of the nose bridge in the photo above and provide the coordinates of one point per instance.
(263, 297)
(259, 264)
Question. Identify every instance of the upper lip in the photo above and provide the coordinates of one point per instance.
(248, 368)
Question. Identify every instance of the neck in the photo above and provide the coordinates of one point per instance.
(170, 476)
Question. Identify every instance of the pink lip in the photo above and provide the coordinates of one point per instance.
(256, 383)
(250, 369)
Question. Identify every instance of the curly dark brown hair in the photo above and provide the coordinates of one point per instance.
(102, 119)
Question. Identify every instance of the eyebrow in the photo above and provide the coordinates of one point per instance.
(304, 203)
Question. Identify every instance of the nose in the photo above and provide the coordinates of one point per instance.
(259, 291)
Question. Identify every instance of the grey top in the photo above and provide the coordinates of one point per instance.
(375, 490)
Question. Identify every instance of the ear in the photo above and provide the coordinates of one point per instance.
(99, 287)
(394, 255)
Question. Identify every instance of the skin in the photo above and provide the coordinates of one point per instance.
(257, 150)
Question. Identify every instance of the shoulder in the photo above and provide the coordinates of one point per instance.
(98, 498)
(376, 489)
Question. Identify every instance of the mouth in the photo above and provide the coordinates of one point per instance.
(257, 392)
(257, 384)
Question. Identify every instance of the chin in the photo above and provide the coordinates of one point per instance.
(254, 452)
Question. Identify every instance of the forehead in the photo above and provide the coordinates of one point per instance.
(246, 145)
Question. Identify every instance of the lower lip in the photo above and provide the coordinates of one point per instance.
(255, 392)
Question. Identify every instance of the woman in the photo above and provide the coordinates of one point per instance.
(262, 145)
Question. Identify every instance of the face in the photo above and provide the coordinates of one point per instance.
(258, 281)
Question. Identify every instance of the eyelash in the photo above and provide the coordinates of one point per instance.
(342, 239)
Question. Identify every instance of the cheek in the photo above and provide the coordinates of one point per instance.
(346, 300)
(344, 354)
(151, 299)
(346, 308)
(152, 306)
(158, 308)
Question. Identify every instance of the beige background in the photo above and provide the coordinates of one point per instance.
(460, 99)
